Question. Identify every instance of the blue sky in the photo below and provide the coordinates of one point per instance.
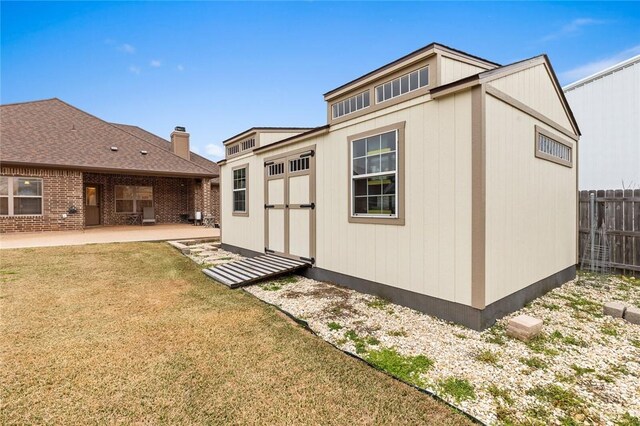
(219, 68)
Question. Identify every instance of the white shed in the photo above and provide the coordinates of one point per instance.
(607, 106)
(442, 181)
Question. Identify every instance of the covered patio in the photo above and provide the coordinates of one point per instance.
(107, 234)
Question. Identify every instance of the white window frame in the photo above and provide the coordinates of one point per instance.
(395, 173)
(10, 196)
(135, 198)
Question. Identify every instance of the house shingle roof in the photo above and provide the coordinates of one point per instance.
(165, 144)
(55, 134)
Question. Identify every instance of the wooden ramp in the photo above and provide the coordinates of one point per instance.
(250, 270)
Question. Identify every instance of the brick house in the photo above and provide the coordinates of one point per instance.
(64, 169)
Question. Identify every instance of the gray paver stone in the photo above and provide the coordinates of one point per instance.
(632, 314)
(614, 309)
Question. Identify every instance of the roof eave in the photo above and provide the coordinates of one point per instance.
(110, 170)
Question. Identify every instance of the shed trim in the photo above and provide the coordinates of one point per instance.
(294, 139)
(478, 197)
(500, 95)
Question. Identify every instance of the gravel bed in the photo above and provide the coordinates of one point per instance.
(209, 254)
(583, 369)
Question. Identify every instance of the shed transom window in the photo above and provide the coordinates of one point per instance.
(352, 104)
(275, 169)
(374, 175)
(298, 165)
(20, 196)
(551, 148)
(133, 199)
(240, 190)
(403, 84)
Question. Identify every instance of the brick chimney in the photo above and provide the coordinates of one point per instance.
(180, 142)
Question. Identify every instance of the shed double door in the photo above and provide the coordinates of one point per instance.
(290, 209)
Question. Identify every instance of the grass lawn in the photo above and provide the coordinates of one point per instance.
(135, 333)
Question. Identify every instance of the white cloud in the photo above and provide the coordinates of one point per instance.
(180, 67)
(155, 63)
(134, 69)
(572, 28)
(127, 48)
(590, 68)
(214, 150)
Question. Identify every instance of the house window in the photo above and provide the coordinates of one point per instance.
(349, 105)
(133, 199)
(240, 176)
(403, 84)
(20, 196)
(552, 148)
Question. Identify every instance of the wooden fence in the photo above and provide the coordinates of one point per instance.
(618, 211)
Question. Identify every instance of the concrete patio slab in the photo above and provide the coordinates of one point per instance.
(107, 234)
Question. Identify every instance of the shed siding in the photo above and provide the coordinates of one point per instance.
(530, 205)
(243, 231)
(452, 70)
(608, 112)
(534, 87)
(431, 254)
(267, 138)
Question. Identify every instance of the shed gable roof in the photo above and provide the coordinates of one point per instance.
(53, 133)
(503, 71)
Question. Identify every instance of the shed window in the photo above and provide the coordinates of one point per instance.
(299, 164)
(275, 169)
(240, 190)
(550, 147)
(20, 196)
(374, 183)
(403, 84)
(349, 105)
(133, 199)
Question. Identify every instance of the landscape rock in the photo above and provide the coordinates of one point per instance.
(614, 309)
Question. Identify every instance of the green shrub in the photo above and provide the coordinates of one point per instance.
(486, 356)
(628, 420)
(458, 389)
(334, 326)
(406, 368)
(557, 396)
(534, 362)
(500, 393)
(581, 371)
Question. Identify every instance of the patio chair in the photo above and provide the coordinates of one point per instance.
(148, 215)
